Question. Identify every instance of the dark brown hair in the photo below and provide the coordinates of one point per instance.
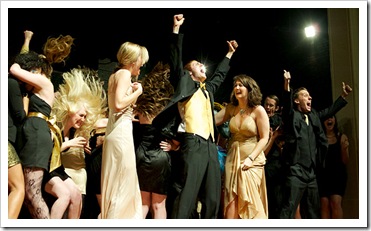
(254, 96)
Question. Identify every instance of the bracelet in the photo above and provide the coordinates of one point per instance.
(252, 160)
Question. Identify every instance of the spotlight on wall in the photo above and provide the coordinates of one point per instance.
(310, 31)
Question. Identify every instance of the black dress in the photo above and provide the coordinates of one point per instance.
(153, 164)
(36, 134)
(333, 178)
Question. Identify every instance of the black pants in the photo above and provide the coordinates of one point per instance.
(202, 179)
(301, 187)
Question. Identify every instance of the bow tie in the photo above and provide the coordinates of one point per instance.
(203, 86)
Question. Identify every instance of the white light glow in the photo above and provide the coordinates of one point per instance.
(310, 31)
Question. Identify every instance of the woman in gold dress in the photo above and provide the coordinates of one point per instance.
(245, 189)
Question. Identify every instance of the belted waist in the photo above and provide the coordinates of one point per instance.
(38, 114)
(55, 160)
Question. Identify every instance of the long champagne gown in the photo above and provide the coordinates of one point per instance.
(121, 197)
(249, 186)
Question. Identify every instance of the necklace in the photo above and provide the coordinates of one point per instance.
(242, 111)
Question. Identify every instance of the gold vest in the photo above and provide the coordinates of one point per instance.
(198, 115)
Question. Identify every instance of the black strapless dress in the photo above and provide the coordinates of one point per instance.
(38, 143)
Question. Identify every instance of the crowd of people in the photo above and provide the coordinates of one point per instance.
(151, 147)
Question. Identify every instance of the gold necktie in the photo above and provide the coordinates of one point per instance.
(203, 89)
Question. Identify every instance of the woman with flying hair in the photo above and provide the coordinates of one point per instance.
(153, 160)
(244, 183)
(35, 71)
(79, 103)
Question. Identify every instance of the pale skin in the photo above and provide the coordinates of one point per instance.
(260, 116)
(67, 193)
(119, 84)
(44, 89)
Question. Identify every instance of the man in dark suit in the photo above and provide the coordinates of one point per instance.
(305, 149)
(192, 106)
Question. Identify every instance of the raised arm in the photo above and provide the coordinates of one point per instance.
(27, 39)
(346, 90)
(287, 78)
(178, 21)
(232, 48)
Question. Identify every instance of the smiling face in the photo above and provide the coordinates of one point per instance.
(240, 91)
(303, 101)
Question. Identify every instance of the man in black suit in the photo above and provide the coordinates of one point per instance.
(305, 148)
(192, 106)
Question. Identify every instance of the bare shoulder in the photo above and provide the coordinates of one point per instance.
(259, 109)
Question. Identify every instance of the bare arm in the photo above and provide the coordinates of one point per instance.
(42, 85)
(122, 82)
(344, 143)
(78, 142)
(262, 122)
(272, 138)
(27, 39)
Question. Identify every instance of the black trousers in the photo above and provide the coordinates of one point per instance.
(301, 187)
(201, 179)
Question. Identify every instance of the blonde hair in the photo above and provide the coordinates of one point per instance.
(81, 88)
(130, 52)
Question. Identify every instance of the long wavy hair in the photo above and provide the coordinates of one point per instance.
(81, 88)
(157, 91)
(254, 96)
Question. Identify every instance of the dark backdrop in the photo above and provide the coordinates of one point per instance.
(270, 40)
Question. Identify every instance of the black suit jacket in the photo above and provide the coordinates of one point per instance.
(16, 113)
(184, 85)
(292, 125)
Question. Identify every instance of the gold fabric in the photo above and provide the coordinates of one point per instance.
(198, 115)
(248, 187)
(13, 158)
(55, 160)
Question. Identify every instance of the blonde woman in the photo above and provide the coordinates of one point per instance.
(119, 183)
(80, 102)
